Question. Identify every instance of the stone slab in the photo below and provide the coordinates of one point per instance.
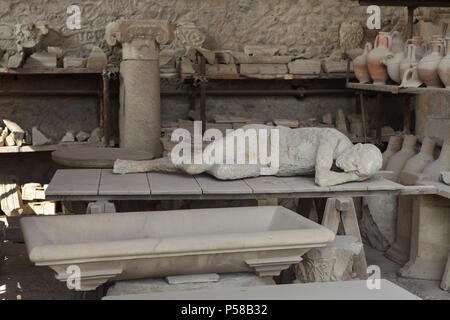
(173, 184)
(268, 185)
(130, 184)
(211, 185)
(442, 189)
(303, 184)
(345, 290)
(74, 182)
(144, 286)
(193, 278)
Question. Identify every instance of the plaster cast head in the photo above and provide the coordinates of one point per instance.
(362, 159)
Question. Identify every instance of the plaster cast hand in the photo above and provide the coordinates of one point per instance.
(324, 162)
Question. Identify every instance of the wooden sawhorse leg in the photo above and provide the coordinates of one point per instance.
(343, 209)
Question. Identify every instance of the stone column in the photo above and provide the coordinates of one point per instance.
(139, 118)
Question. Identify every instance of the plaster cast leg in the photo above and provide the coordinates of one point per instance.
(163, 165)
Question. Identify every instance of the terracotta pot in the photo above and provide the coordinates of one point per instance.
(418, 163)
(435, 168)
(360, 65)
(444, 67)
(409, 61)
(428, 66)
(378, 71)
(395, 143)
(398, 160)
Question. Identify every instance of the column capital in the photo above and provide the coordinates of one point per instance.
(140, 39)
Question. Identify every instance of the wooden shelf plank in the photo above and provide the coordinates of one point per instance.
(287, 77)
(396, 90)
(406, 3)
(30, 71)
(47, 148)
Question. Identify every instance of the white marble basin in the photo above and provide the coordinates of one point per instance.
(124, 246)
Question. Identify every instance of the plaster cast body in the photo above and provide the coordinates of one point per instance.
(302, 151)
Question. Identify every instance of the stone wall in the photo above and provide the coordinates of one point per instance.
(308, 27)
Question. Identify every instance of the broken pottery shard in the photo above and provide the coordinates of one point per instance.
(221, 69)
(263, 69)
(15, 61)
(96, 136)
(39, 139)
(69, 137)
(17, 133)
(445, 177)
(265, 50)
(331, 263)
(287, 123)
(305, 67)
(73, 62)
(82, 136)
(41, 60)
(97, 59)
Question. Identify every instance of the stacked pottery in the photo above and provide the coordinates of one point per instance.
(360, 65)
(393, 59)
(428, 66)
(395, 143)
(377, 70)
(398, 160)
(418, 163)
(444, 67)
(410, 61)
(442, 164)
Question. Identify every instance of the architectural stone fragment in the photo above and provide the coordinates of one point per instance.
(39, 139)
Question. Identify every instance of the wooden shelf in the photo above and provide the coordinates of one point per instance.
(385, 88)
(70, 71)
(46, 148)
(268, 77)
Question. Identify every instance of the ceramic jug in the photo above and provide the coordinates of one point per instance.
(398, 160)
(435, 168)
(395, 143)
(360, 65)
(428, 66)
(444, 67)
(409, 61)
(392, 62)
(377, 70)
(398, 45)
(420, 45)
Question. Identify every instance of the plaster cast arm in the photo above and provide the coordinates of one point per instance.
(324, 162)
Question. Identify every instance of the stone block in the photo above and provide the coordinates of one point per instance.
(45, 208)
(33, 191)
(41, 60)
(336, 66)
(69, 137)
(305, 67)
(265, 50)
(73, 62)
(16, 132)
(82, 136)
(263, 69)
(221, 69)
(97, 60)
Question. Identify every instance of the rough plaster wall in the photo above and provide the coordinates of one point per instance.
(308, 27)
